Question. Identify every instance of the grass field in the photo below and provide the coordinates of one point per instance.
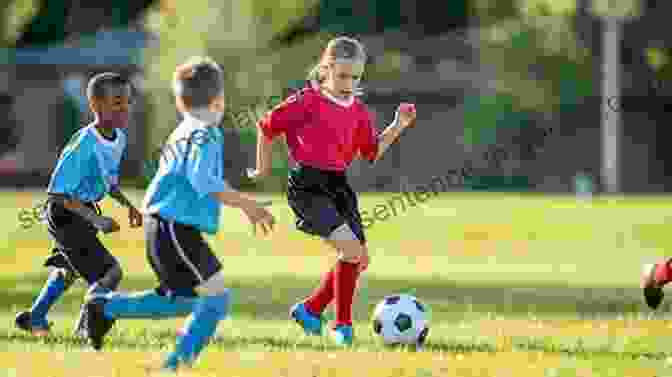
(517, 286)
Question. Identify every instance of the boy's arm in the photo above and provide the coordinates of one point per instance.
(237, 199)
(203, 174)
(134, 216)
(116, 194)
(254, 210)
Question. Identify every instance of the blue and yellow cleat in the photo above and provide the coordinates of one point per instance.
(342, 335)
(311, 324)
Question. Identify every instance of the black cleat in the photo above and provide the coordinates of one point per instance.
(97, 325)
(653, 296)
(24, 321)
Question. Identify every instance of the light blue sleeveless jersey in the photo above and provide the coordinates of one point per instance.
(88, 167)
(191, 167)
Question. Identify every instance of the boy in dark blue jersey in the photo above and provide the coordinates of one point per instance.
(87, 170)
(182, 202)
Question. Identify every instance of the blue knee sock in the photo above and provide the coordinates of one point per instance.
(53, 289)
(147, 304)
(200, 327)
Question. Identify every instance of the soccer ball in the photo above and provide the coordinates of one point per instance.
(401, 319)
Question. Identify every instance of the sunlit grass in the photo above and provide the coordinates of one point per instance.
(517, 286)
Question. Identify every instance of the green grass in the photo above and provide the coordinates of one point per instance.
(517, 285)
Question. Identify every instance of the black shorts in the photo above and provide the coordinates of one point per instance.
(322, 201)
(77, 245)
(178, 254)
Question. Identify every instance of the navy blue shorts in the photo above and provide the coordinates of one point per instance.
(179, 256)
(77, 245)
(322, 201)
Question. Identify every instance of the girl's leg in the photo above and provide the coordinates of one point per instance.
(346, 274)
(353, 258)
(322, 296)
(654, 278)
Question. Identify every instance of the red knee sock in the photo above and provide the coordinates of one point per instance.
(345, 282)
(322, 296)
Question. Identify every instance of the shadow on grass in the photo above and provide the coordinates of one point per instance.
(271, 298)
(166, 340)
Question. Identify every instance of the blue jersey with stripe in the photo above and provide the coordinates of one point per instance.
(88, 167)
(191, 167)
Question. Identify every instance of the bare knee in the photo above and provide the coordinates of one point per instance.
(349, 247)
(214, 286)
(68, 276)
(348, 251)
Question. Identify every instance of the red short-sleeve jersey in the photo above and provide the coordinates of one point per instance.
(322, 133)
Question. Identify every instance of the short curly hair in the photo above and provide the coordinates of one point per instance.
(106, 83)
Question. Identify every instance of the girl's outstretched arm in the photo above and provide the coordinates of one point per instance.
(405, 117)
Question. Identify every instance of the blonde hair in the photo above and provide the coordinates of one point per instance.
(338, 50)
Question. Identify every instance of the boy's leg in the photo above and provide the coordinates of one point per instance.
(103, 308)
(192, 283)
(80, 252)
(192, 264)
(213, 305)
(61, 277)
(99, 268)
(63, 230)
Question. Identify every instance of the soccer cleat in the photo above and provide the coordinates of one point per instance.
(311, 324)
(97, 325)
(80, 325)
(24, 321)
(342, 335)
(198, 330)
(174, 363)
(166, 369)
(653, 280)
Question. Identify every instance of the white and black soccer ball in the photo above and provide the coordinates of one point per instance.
(401, 319)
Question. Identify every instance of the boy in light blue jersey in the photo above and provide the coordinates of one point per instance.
(87, 170)
(182, 202)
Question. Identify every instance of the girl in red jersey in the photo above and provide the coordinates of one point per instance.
(326, 127)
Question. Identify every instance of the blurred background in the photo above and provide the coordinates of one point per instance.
(555, 96)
